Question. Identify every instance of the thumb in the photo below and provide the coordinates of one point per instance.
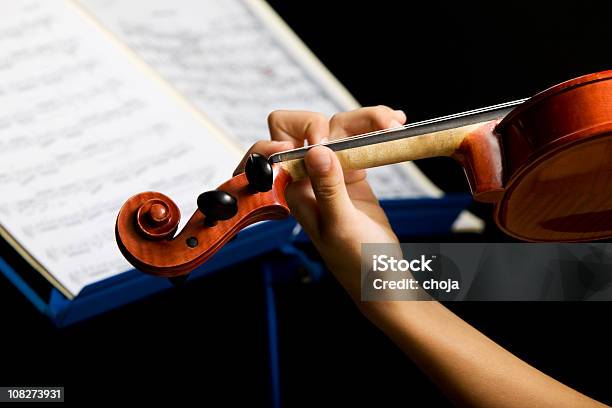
(327, 181)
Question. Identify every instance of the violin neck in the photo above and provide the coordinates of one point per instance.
(431, 138)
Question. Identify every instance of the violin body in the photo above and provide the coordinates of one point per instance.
(545, 165)
(557, 163)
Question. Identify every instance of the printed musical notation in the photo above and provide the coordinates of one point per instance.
(82, 129)
(88, 118)
(228, 62)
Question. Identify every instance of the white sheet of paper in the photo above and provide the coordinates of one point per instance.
(236, 61)
(82, 128)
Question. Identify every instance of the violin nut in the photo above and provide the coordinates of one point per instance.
(258, 172)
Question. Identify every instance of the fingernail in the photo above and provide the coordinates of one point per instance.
(324, 140)
(394, 123)
(318, 161)
(401, 112)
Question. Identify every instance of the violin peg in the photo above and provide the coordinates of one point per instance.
(259, 173)
(217, 205)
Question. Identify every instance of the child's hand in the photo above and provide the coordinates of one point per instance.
(337, 210)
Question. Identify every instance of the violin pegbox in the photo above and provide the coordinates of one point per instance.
(220, 205)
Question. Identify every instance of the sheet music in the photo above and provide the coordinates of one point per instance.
(231, 63)
(81, 129)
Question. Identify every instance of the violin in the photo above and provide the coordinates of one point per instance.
(544, 162)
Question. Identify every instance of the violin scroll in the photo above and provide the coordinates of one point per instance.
(146, 228)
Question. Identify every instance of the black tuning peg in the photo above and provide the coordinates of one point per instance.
(217, 205)
(258, 172)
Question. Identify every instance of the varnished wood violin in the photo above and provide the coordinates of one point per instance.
(545, 162)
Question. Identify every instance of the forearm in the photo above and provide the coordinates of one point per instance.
(469, 367)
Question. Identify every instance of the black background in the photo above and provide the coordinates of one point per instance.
(208, 340)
